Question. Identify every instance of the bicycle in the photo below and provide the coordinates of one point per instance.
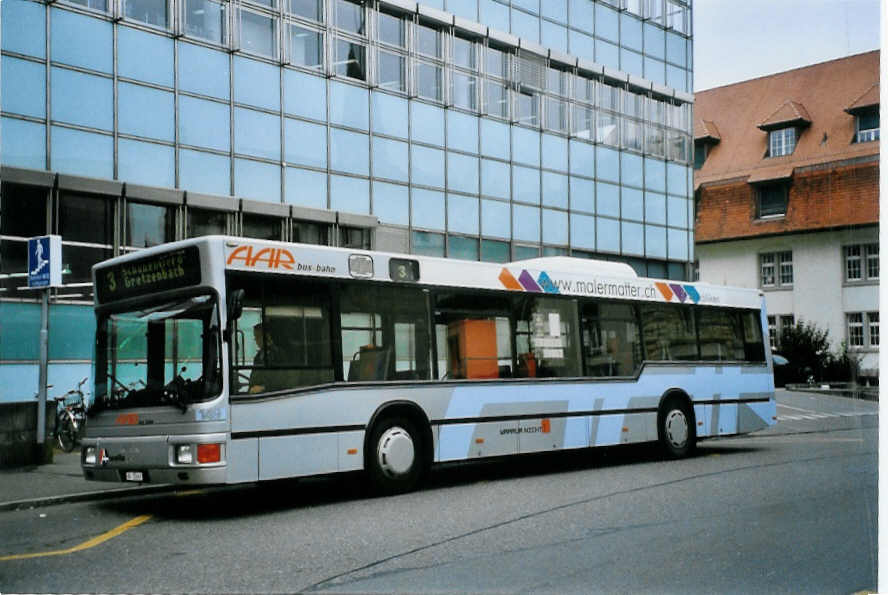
(71, 418)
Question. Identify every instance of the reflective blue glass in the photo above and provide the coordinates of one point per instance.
(526, 146)
(655, 70)
(677, 211)
(528, 5)
(553, 36)
(582, 15)
(607, 199)
(554, 152)
(632, 170)
(204, 172)
(676, 49)
(82, 99)
(22, 87)
(391, 203)
(80, 40)
(349, 105)
(607, 54)
(630, 31)
(462, 214)
(493, 251)
(654, 174)
(462, 173)
(582, 158)
(462, 248)
(349, 152)
(495, 219)
(607, 22)
(203, 123)
(22, 144)
(305, 144)
(525, 184)
(306, 188)
(467, 9)
(678, 244)
(631, 62)
(525, 26)
(676, 77)
(203, 71)
(435, 3)
(607, 232)
(525, 252)
(677, 179)
(145, 163)
(23, 27)
(581, 45)
(654, 41)
(555, 10)
(350, 194)
(495, 139)
(555, 190)
(82, 153)
(632, 238)
(462, 132)
(428, 209)
(305, 95)
(428, 244)
(390, 159)
(427, 166)
(496, 179)
(526, 223)
(256, 83)
(258, 181)
(427, 123)
(655, 241)
(389, 114)
(554, 227)
(257, 134)
(494, 14)
(582, 195)
(144, 56)
(655, 208)
(582, 231)
(608, 164)
(632, 204)
(147, 112)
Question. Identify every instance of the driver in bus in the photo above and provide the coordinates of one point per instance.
(261, 378)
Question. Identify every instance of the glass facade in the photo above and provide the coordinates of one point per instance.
(443, 131)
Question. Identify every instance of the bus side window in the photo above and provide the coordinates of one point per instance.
(473, 335)
(611, 345)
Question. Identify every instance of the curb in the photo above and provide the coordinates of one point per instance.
(85, 497)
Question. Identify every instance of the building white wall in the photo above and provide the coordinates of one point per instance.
(818, 294)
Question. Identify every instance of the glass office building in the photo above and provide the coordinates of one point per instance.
(477, 129)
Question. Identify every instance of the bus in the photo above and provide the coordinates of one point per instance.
(225, 360)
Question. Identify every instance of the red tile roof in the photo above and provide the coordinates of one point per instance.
(818, 94)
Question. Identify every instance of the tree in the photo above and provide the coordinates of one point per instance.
(807, 348)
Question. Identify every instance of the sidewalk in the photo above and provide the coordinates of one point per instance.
(61, 481)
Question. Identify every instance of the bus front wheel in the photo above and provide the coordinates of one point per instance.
(395, 459)
(676, 428)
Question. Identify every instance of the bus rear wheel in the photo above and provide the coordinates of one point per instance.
(677, 433)
(395, 462)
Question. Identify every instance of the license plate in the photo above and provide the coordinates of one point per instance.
(135, 476)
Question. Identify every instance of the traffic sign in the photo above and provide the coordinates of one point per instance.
(45, 261)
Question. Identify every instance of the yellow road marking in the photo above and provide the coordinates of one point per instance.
(190, 493)
(99, 539)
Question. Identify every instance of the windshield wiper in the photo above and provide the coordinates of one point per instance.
(177, 392)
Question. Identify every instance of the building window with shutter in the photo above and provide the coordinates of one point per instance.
(771, 200)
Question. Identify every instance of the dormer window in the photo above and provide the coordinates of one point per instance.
(867, 125)
(781, 142)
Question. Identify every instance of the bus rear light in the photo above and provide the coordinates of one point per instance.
(89, 455)
(184, 454)
(209, 453)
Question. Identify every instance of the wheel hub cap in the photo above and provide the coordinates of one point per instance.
(395, 452)
(676, 428)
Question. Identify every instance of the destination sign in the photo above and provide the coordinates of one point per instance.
(151, 274)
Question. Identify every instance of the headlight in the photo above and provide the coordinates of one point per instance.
(184, 454)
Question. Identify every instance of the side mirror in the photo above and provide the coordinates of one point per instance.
(235, 309)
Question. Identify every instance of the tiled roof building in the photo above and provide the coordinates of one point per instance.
(787, 195)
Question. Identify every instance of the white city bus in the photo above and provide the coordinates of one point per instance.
(224, 360)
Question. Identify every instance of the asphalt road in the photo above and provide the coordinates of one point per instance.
(790, 510)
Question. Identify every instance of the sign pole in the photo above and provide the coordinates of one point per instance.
(44, 366)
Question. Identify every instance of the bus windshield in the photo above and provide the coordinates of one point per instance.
(163, 354)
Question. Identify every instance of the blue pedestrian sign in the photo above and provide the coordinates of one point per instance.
(45, 261)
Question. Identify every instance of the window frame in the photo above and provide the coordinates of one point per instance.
(777, 263)
(782, 141)
(864, 325)
(865, 259)
(760, 192)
